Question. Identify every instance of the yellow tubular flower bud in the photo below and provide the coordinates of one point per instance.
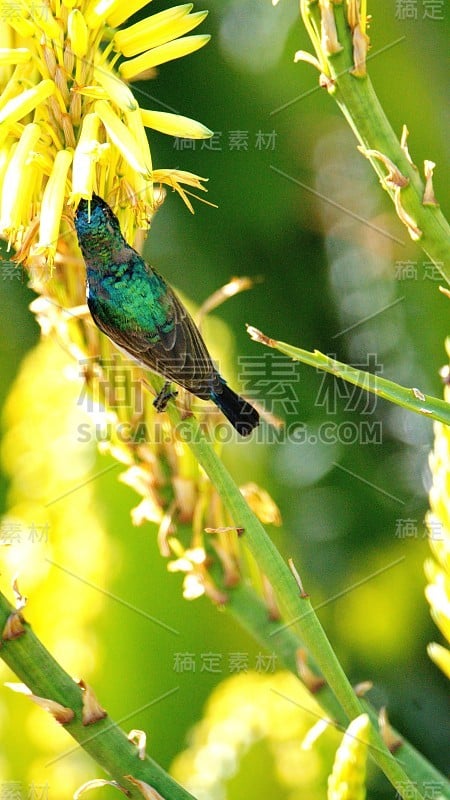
(14, 212)
(175, 125)
(137, 129)
(439, 601)
(27, 101)
(122, 138)
(6, 34)
(7, 42)
(126, 40)
(97, 11)
(441, 657)
(14, 55)
(158, 29)
(22, 26)
(96, 92)
(44, 19)
(52, 206)
(86, 155)
(123, 10)
(160, 55)
(116, 89)
(5, 155)
(437, 569)
(78, 33)
(348, 778)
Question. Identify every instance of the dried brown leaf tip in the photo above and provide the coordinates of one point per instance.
(312, 681)
(360, 48)
(394, 178)
(329, 38)
(92, 711)
(139, 738)
(297, 577)
(62, 714)
(391, 739)
(361, 42)
(97, 783)
(14, 624)
(13, 627)
(413, 229)
(395, 181)
(429, 198)
(20, 599)
(259, 336)
(146, 791)
(404, 145)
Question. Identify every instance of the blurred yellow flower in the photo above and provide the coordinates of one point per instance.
(437, 569)
(54, 540)
(271, 712)
(348, 778)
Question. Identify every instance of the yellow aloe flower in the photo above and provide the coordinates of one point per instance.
(69, 124)
(348, 778)
(437, 569)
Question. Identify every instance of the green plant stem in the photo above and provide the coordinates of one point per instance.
(251, 611)
(297, 609)
(361, 107)
(103, 740)
(411, 399)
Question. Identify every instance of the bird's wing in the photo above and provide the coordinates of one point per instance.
(165, 339)
(180, 354)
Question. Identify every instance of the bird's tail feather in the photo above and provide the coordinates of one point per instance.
(241, 414)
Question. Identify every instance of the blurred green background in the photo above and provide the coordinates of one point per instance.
(329, 282)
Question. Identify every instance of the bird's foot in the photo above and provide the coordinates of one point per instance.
(166, 394)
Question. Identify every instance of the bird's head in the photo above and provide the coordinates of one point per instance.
(96, 225)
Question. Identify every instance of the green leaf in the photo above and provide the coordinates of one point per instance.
(411, 398)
